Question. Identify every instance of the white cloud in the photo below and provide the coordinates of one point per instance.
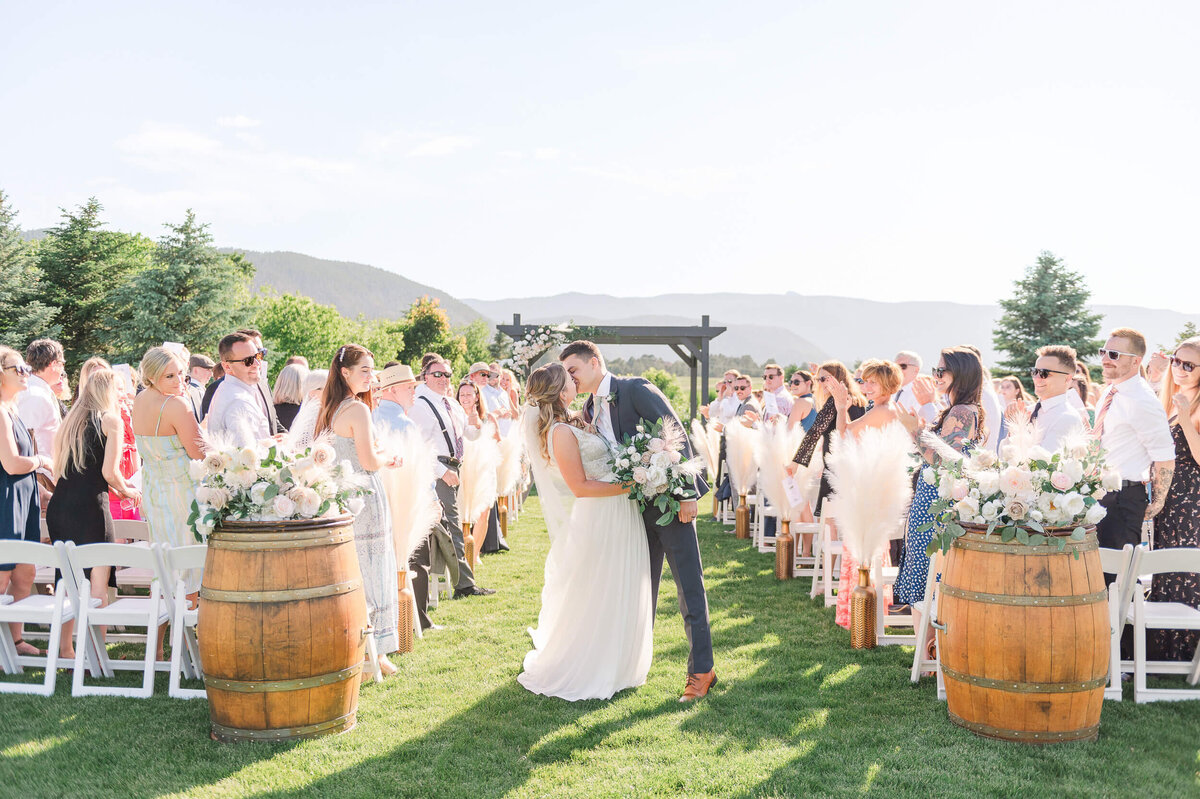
(238, 121)
(546, 154)
(442, 145)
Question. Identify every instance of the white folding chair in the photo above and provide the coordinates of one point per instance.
(185, 650)
(807, 565)
(140, 611)
(1163, 616)
(43, 579)
(921, 663)
(762, 511)
(1120, 563)
(831, 561)
(35, 609)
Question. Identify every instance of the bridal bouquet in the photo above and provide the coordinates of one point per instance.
(1027, 493)
(652, 465)
(268, 482)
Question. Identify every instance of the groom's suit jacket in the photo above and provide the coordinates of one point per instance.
(633, 399)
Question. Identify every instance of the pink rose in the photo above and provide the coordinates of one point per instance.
(960, 489)
(656, 445)
(1061, 481)
(646, 457)
(675, 456)
(639, 474)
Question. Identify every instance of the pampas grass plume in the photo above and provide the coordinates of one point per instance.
(409, 491)
(739, 453)
(478, 489)
(871, 485)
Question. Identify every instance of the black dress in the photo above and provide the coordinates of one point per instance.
(1177, 525)
(286, 412)
(19, 496)
(79, 509)
(825, 422)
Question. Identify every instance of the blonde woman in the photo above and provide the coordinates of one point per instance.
(288, 394)
(594, 630)
(87, 460)
(130, 463)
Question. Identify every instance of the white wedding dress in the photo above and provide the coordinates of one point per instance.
(595, 629)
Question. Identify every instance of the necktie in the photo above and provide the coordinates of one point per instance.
(1098, 429)
(1036, 410)
(601, 404)
(458, 442)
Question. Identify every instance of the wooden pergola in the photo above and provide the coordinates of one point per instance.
(690, 343)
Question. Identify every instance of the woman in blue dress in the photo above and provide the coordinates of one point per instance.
(959, 378)
(804, 407)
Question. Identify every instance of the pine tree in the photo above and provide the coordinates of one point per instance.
(192, 293)
(23, 315)
(81, 264)
(1049, 306)
(1189, 331)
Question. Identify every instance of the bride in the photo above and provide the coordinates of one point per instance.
(594, 633)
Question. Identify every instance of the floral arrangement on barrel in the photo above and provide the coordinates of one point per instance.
(268, 482)
(651, 463)
(1027, 493)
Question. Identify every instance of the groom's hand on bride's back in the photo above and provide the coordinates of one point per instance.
(688, 510)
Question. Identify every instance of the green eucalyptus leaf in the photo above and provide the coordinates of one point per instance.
(1022, 535)
(1078, 534)
(1037, 540)
(1008, 534)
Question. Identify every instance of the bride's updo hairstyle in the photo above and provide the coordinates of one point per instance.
(544, 390)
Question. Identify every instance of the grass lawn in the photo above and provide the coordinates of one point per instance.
(796, 713)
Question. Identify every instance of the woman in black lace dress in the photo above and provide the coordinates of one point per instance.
(1178, 524)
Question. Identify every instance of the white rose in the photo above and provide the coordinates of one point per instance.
(1061, 480)
(929, 476)
(1015, 509)
(1110, 480)
(967, 508)
(202, 494)
(945, 486)
(323, 455)
(990, 511)
(660, 459)
(1073, 469)
(985, 458)
(355, 505)
(1038, 453)
(1095, 514)
(283, 506)
(218, 498)
(214, 464)
(989, 483)
(959, 489)
(1036, 515)
(655, 475)
(197, 470)
(258, 493)
(1015, 480)
(1073, 504)
(244, 478)
(674, 456)
(247, 458)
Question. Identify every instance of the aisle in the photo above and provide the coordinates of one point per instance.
(797, 713)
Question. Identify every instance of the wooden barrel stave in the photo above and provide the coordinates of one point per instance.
(285, 667)
(999, 680)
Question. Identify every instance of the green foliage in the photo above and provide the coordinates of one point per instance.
(667, 384)
(192, 293)
(501, 348)
(427, 329)
(23, 315)
(1049, 306)
(296, 325)
(478, 347)
(717, 364)
(1189, 331)
(81, 263)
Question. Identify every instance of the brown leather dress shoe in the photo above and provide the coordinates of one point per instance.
(698, 685)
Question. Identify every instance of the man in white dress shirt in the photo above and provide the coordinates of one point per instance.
(38, 405)
(1132, 426)
(910, 367)
(239, 414)
(1053, 417)
(776, 399)
(443, 424)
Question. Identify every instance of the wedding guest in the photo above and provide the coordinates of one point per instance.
(1080, 399)
(38, 405)
(1132, 427)
(1089, 394)
(346, 405)
(776, 401)
(747, 404)
(485, 529)
(289, 393)
(470, 399)
(240, 413)
(991, 404)
(1012, 391)
(509, 384)
(1053, 377)
(200, 371)
(828, 374)
(397, 393)
(960, 377)
(297, 360)
(20, 509)
(495, 401)
(87, 450)
(1178, 524)
(915, 395)
(804, 408)
(443, 424)
(130, 462)
(1156, 370)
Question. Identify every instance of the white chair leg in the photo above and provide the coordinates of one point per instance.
(373, 657)
(1139, 650)
(1116, 621)
(151, 636)
(416, 617)
(1194, 674)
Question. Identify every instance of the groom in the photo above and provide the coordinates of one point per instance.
(616, 407)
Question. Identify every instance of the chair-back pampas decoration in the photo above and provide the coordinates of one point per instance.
(508, 472)
(707, 442)
(477, 484)
(872, 488)
(414, 511)
(739, 453)
(774, 449)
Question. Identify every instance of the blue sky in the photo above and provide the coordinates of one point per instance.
(886, 150)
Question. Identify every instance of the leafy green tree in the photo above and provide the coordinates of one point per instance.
(192, 293)
(23, 315)
(1049, 306)
(427, 329)
(81, 264)
(476, 337)
(666, 383)
(383, 337)
(501, 347)
(1189, 331)
(293, 324)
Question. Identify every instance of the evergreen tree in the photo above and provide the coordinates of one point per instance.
(81, 264)
(23, 315)
(192, 294)
(1049, 306)
(1189, 331)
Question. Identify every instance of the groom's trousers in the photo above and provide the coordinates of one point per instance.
(677, 543)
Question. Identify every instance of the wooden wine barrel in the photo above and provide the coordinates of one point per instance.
(1026, 639)
(282, 629)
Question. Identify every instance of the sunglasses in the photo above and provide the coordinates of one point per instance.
(859, 380)
(797, 382)
(249, 360)
(939, 371)
(1113, 355)
(439, 374)
(1186, 366)
(905, 366)
(768, 377)
(822, 379)
(26, 370)
(741, 388)
(1045, 373)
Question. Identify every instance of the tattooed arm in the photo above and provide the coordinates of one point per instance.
(959, 427)
(1161, 474)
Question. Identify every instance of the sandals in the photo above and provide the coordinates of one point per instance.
(35, 653)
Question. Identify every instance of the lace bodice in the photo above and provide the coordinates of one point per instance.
(593, 451)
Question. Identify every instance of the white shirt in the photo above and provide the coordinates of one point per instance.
(238, 413)
(908, 401)
(1136, 432)
(427, 421)
(993, 413)
(602, 418)
(1056, 421)
(727, 408)
(776, 403)
(38, 409)
(496, 401)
